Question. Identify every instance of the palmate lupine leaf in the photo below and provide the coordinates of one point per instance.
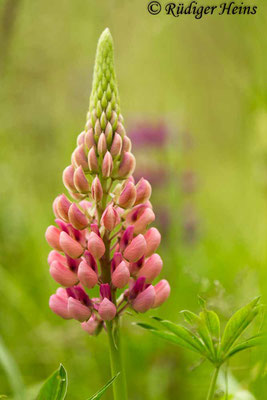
(184, 334)
(170, 337)
(99, 394)
(237, 324)
(55, 387)
(199, 325)
(257, 340)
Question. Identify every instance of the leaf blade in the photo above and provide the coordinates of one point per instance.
(170, 337)
(98, 394)
(55, 387)
(237, 324)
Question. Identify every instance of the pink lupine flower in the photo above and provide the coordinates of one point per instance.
(110, 218)
(79, 304)
(162, 290)
(95, 245)
(151, 268)
(140, 217)
(143, 191)
(62, 274)
(141, 295)
(59, 303)
(102, 239)
(92, 326)
(153, 238)
(52, 235)
(107, 310)
(77, 218)
(121, 275)
(135, 249)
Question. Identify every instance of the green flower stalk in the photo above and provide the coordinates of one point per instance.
(102, 237)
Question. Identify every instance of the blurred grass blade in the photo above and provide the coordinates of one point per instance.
(237, 324)
(99, 394)
(170, 337)
(17, 296)
(257, 340)
(55, 387)
(12, 371)
(184, 334)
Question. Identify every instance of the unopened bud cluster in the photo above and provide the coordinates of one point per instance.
(102, 236)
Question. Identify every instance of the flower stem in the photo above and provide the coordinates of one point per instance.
(213, 383)
(119, 385)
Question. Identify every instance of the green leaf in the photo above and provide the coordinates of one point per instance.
(200, 325)
(55, 387)
(237, 324)
(99, 394)
(257, 340)
(184, 334)
(170, 337)
(212, 322)
(12, 371)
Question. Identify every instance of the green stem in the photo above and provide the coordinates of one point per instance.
(119, 385)
(213, 384)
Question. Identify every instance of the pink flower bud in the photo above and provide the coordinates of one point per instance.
(107, 310)
(89, 139)
(143, 191)
(116, 146)
(120, 130)
(116, 260)
(109, 133)
(126, 145)
(80, 181)
(153, 238)
(107, 165)
(136, 249)
(92, 160)
(68, 174)
(128, 196)
(77, 217)
(162, 290)
(127, 165)
(102, 144)
(52, 236)
(70, 246)
(144, 300)
(80, 138)
(96, 189)
(136, 266)
(140, 216)
(97, 128)
(152, 268)
(80, 158)
(96, 245)
(55, 256)
(58, 303)
(62, 274)
(87, 275)
(126, 237)
(121, 275)
(110, 218)
(63, 205)
(91, 326)
(55, 211)
(77, 310)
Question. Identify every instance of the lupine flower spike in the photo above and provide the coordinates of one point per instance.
(101, 237)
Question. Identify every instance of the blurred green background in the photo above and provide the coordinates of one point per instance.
(206, 79)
